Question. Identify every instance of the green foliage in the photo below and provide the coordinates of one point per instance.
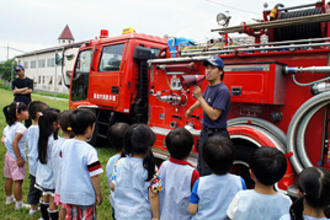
(6, 68)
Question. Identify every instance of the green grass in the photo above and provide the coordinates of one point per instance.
(4, 87)
(57, 95)
(8, 212)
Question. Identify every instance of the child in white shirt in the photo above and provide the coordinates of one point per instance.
(45, 182)
(35, 109)
(14, 138)
(178, 176)
(212, 194)
(134, 183)
(80, 183)
(314, 195)
(116, 135)
(267, 166)
(56, 158)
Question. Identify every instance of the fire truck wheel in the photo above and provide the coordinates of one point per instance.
(247, 138)
(273, 129)
(240, 165)
(94, 140)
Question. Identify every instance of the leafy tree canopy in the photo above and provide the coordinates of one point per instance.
(6, 68)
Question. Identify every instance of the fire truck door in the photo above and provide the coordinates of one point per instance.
(79, 85)
(106, 79)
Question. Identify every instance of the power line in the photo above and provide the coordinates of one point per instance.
(231, 7)
(11, 48)
(18, 50)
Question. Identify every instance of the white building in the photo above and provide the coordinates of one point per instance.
(40, 64)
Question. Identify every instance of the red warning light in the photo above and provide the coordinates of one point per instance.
(104, 33)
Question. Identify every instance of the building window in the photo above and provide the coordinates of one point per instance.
(41, 63)
(26, 65)
(33, 64)
(43, 79)
(39, 79)
(51, 62)
(59, 80)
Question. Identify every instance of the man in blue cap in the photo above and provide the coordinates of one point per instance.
(215, 102)
(22, 88)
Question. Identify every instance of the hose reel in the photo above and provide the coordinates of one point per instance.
(297, 129)
(303, 31)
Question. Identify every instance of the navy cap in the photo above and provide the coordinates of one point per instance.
(19, 67)
(214, 61)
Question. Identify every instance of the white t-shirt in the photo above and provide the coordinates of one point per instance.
(79, 163)
(56, 162)
(131, 193)
(109, 170)
(44, 175)
(32, 137)
(306, 217)
(249, 204)
(9, 133)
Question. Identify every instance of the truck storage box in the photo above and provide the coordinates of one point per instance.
(262, 83)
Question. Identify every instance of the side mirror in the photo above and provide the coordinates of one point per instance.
(58, 59)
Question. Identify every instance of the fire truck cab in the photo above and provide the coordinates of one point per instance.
(110, 76)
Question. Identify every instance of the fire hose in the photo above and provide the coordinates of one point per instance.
(297, 129)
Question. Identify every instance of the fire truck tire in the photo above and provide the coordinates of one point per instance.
(94, 139)
(256, 135)
(246, 138)
(303, 157)
(296, 122)
(273, 129)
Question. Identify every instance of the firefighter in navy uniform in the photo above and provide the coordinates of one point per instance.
(22, 88)
(215, 102)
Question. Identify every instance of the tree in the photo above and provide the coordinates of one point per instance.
(6, 68)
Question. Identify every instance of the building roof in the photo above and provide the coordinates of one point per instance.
(66, 33)
(52, 49)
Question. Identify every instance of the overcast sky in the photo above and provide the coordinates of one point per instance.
(36, 24)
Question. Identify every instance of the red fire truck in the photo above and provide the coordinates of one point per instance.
(280, 90)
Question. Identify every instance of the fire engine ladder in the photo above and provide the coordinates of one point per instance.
(276, 23)
(292, 44)
(211, 49)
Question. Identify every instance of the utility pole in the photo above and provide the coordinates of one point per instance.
(11, 48)
(7, 51)
(55, 79)
(12, 70)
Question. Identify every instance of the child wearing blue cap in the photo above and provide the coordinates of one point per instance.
(215, 102)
